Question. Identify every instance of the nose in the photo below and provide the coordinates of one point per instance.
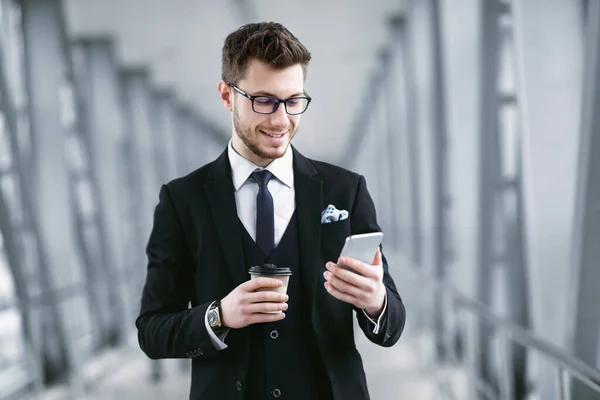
(279, 118)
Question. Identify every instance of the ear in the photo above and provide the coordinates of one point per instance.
(226, 95)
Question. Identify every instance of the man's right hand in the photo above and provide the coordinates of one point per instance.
(245, 306)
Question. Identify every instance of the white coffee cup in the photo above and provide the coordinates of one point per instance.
(272, 271)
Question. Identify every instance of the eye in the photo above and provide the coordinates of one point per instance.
(264, 101)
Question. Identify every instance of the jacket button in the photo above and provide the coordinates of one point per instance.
(274, 334)
(239, 386)
(276, 393)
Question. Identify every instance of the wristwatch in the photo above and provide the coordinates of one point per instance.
(215, 320)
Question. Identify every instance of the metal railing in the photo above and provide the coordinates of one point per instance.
(565, 366)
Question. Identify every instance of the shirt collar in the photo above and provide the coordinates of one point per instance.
(241, 168)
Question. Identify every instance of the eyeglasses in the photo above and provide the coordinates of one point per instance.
(268, 104)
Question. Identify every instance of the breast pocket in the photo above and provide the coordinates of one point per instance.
(333, 236)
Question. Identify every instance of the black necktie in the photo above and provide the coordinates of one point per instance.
(265, 225)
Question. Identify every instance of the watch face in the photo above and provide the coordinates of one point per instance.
(212, 317)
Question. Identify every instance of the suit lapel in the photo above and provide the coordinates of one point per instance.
(221, 200)
(308, 187)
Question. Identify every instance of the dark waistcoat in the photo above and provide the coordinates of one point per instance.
(284, 358)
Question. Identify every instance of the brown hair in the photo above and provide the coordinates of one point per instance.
(269, 42)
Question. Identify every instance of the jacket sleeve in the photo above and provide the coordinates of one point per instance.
(167, 328)
(364, 220)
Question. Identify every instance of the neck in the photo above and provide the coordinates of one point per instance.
(245, 152)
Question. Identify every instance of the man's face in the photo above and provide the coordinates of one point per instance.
(263, 137)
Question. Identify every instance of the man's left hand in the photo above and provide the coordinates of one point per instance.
(365, 291)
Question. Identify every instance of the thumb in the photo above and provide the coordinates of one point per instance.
(377, 259)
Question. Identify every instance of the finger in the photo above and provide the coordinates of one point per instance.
(359, 266)
(264, 307)
(266, 296)
(259, 318)
(343, 286)
(347, 276)
(377, 260)
(261, 282)
(339, 295)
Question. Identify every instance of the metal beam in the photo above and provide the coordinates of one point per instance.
(138, 128)
(440, 174)
(100, 130)
(489, 175)
(47, 74)
(139, 191)
(387, 133)
(362, 119)
(585, 336)
(503, 275)
(402, 31)
(9, 181)
(515, 287)
(14, 257)
(390, 134)
(549, 66)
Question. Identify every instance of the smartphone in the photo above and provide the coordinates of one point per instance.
(362, 247)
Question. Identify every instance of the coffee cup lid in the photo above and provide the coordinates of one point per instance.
(270, 269)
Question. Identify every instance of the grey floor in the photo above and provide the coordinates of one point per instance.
(392, 373)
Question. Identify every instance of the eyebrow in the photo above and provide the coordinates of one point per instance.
(263, 93)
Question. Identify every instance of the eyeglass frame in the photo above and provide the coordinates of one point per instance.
(278, 101)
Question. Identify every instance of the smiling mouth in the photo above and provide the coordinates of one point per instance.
(274, 135)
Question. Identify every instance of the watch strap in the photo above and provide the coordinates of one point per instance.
(218, 305)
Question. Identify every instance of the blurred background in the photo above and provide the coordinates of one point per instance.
(475, 122)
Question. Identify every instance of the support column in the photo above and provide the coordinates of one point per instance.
(137, 106)
(489, 181)
(383, 162)
(102, 128)
(391, 171)
(584, 332)
(442, 201)
(406, 92)
(49, 82)
(12, 180)
(549, 43)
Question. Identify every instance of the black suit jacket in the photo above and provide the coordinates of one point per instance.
(195, 256)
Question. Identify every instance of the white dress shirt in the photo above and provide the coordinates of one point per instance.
(281, 187)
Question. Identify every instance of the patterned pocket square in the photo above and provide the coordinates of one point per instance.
(332, 214)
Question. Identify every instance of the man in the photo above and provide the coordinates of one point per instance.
(261, 202)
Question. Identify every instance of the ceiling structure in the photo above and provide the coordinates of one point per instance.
(180, 41)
